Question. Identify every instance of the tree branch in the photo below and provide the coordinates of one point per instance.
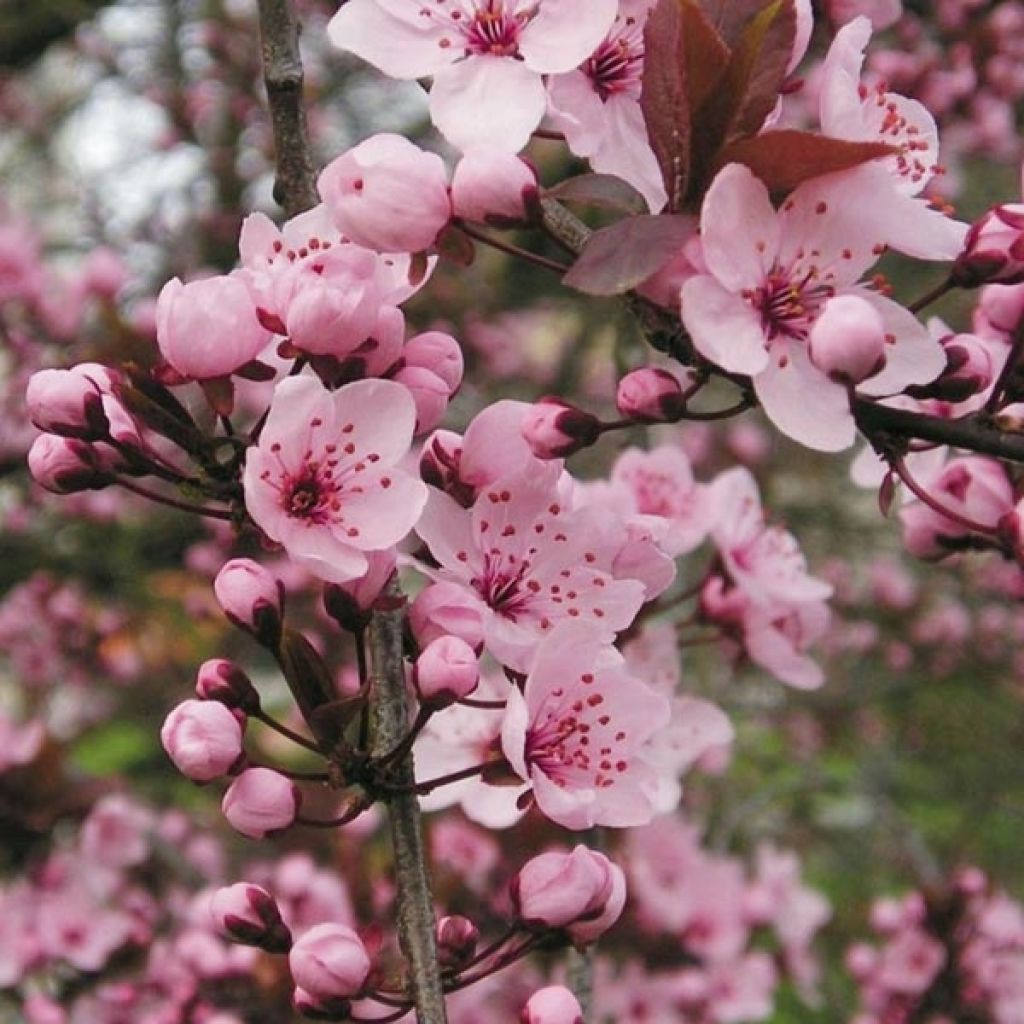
(389, 723)
(295, 185)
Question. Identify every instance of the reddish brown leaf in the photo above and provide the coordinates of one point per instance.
(731, 17)
(663, 96)
(784, 159)
(705, 54)
(760, 61)
(619, 257)
(603, 190)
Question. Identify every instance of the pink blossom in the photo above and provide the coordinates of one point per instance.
(597, 106)
(552, 1005)
(387, 194)
(994, 249)
(770, 275)
(529, 560)
(117, 832)
(324, 480)
(487, 57)
(577, 731)
(65, 465)
(493, 186)
(209, 328)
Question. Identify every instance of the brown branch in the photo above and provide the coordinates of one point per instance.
(389, 724)
(295, 184)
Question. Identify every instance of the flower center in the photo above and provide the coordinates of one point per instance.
(789, 305)
(617, 64)
(495, 31)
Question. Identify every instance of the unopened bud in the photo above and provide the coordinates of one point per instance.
(847, 341)
(202, 738)
(70, 402)
(554, 429)
(223, 681)
(329, 963)
(248, 914)
(968, 369)
(64, 465)
(552, 1005)
(493, 186)
(993, 251)
(650, 395)
(457, 938)
(443, 609)
(252, 598)
(259, 802)
(446, 671)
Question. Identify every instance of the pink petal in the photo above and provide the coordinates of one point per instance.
(565, 32)
(323, 554)
(487, 100)
(445, 528)
(724, 328)
(804, 404)
(382, 414)
(383, 515)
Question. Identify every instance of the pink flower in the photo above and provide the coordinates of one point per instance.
(552, 1005)
(259, 802)
(487, 57)
(493, 186)
(529, 560)
(202, 738)
(597, 106)
(387, 194)
(209, 328)
(324, 480)
(329, 962)
(577, 729)
(770, 276)
(888, 186)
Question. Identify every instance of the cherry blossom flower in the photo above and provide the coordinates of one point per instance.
(324, 480)
(487, 57)
(769, 277)
(577, 729)
(597, 106)
(530, 560)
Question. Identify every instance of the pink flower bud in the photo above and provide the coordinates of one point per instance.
(847, 340)
(320, 1009)
(457, 938)
(552, 1005)
(557, 890)
(349, 604)
(252, 598)
(208, 328)
(63, 465)
(70, 402)
(438, 352)
(443, 609)
(446, 671)
(387, 194)
(1001, 307)
(493, 186)
(260, 801)
(590, 928)
(429, 392)
(554, 429)
(439, 460)
(248, 914)
(650, 395)
(861, 961)
(202, 738)
(994, 249)
(223, 681)
(968, 372)
(329, 962)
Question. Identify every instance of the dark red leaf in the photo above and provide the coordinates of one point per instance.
(784, 159)
(760, 61)
(619, 257)
(603, 190)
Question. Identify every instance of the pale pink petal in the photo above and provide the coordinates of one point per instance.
(256, 240)
(513, 732)
(382, 415)
(803, 403)
(393, 45)
(739, 229)
(444, 526)
(383, 513)
(914, 357)
(297, 402)
(323, 554)
(724, 328)
(565, 32)
(840, 101)
(493, 444)
(571, 808)
(485, 100)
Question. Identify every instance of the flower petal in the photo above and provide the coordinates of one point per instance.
(724, 328)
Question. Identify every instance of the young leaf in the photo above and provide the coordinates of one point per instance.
(621, 256)
(784, 159)
(760, 62)
(603, 190)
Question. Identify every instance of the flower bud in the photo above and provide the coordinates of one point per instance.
(320, 1009)
(208, 328)
(429, 392)
(349, 604)
(493, 186)
(387, 194)
(847, 340)
(202, 738)
(457, 938)
(260, 801)
(590, 928)
(993, 251)
(223, 681)
(252, 598)
(70, 402)
(439, 460)
(248, 914)
(438, 352)
(1000, 309)
(552, 1005)
(63, 465)
(329, 963)
(554, 429)
(446, 671)
(445, 609)
(558, 890)
(968, 371)
(650, 395)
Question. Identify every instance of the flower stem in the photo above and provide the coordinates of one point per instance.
(181, 506)
(512, 250)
